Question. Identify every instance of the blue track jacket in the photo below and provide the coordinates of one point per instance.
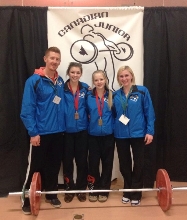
(39, 113)
(107, 118)
(139, 110)
(75, 125)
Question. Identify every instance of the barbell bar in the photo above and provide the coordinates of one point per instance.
(163, 189)
(27, 192)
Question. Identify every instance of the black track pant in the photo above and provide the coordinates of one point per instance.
(101, 148)
(46, 159)
(75, 147)
(131, 168)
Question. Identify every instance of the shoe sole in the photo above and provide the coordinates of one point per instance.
(26, 213)
(125, 202)
(56, 206)
(93, 200)
(81, 200)
(135, 204)
(102, 200)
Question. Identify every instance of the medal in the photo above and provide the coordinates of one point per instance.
(76, 115)
(100, 122)
(76, 101)
(100, 106)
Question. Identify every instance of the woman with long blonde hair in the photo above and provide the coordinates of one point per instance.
(101, 138)
(133, 129)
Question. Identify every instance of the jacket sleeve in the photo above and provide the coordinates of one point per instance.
(114, 114)
(149, 113)
(29, 106)
(86, 103)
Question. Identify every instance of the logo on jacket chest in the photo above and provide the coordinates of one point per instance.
(134, 98)
(81, 95)
(106, 99)
(59, 83)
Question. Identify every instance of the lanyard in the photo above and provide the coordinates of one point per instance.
(100, 105)
(54, 87)
(125, 104)
(76, 97)
(54, 79)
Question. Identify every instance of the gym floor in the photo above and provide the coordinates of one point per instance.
(112, 209)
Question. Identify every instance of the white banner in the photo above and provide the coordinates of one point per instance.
(99, 38)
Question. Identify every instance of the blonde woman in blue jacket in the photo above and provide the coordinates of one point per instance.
(133, 129)
(101, 138)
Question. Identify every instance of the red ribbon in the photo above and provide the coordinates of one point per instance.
(100, 105)
(76, 97)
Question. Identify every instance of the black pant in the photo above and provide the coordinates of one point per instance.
(76, 146)
(46, 159)
(131, 168)
(101, 148)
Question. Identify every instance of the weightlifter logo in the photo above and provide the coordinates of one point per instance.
(85, 50)
(134, 98)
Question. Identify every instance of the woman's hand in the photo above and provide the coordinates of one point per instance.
(148, 139)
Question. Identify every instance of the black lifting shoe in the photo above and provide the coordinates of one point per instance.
(81, 197)
(68, 197)
(54, 202)
(26, 208)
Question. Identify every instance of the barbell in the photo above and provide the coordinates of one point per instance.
(163, 189)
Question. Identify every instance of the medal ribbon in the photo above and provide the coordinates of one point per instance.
(125, 104)
(54, 87)
(100, 105)
(76, 97)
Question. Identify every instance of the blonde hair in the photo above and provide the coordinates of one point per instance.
(106, 86)
(129, 70)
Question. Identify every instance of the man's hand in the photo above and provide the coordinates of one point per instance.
(35, 141)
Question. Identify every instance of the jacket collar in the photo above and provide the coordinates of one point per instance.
(66, 88)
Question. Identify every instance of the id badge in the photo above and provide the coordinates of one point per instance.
(123, 119)
(100, 122)
(76, 115)
(56, 99)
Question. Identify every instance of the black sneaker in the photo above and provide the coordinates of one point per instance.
(26, 207)
(125, 200)
(135, 202)
(54, 202)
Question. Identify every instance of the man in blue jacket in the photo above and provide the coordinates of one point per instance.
(43, 116)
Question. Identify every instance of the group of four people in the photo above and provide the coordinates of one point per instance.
(72, 121)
